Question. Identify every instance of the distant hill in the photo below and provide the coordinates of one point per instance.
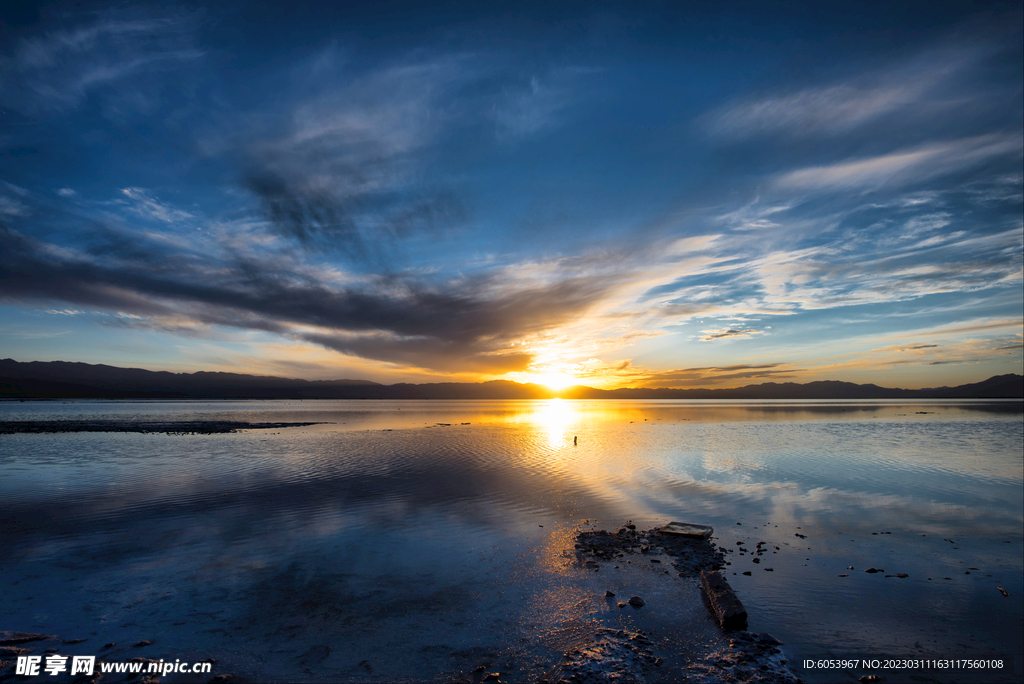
(63, 379)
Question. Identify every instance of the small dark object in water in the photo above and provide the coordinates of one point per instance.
(609, 593)
(872, 571)
(635, 601)
(845, 575)
(747, 572)
(870, 679)
(802, 536)
(143, 643)
(769, 569)
(74, 641)
(574, 440)
(1002, 591)
(112, 644)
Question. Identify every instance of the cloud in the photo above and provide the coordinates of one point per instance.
(902, 167)
(346, 175)
(710, 376)
(449, 324)
(66, 192)
(943, 81)
(709, 335)
(146, 206)
(815, 110)
(523, 111)
(58, 70)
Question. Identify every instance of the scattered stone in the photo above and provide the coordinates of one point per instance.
(222, 679)
(845, 575)
(870, 679)
(74, 641)
(769, 569)
(635, 601)
(492, 676)
(748, 573)
(872, 571)
(112, 644)
(609, 593)
(143, 643)
(11, 638)
(1002, 591)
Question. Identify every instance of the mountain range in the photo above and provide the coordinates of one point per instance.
(63, 379)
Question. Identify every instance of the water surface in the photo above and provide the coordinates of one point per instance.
(416, 539)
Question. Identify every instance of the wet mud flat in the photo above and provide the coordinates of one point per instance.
(731, 654)
(632, 608)
(179, 427)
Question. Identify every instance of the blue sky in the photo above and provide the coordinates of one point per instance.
(660, 194)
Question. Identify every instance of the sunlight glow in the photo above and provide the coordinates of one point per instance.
(555, 380)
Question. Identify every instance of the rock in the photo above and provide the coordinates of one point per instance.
(112, 644)
(768, 640)
(11, 638)
(845, 575)
(143, 643)
(902, 575)
(747, 573)
(609, 593)
(621, 605)
(727, 608)
(635, 601)
(1002, 591)
(687, 530)
(492, 676)
(74, 641)
(10, 651)
(872, 571)
(221, 679)
(869, 679)
(769, 569)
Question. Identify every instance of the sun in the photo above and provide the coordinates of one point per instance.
(555, 380)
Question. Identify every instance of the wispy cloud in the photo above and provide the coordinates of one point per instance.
(58, 70)
(143, 204)
(904, 166)
(709, 335)
(917, 88)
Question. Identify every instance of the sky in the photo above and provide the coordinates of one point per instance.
(635, 194)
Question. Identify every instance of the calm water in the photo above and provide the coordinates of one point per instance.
(386, 545)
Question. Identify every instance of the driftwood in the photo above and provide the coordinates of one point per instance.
(727, 608)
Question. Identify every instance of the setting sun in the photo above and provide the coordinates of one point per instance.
(555, 380)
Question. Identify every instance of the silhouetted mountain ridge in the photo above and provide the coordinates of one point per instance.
(65, 379)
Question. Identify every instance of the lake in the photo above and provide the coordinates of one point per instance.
(417, 540)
